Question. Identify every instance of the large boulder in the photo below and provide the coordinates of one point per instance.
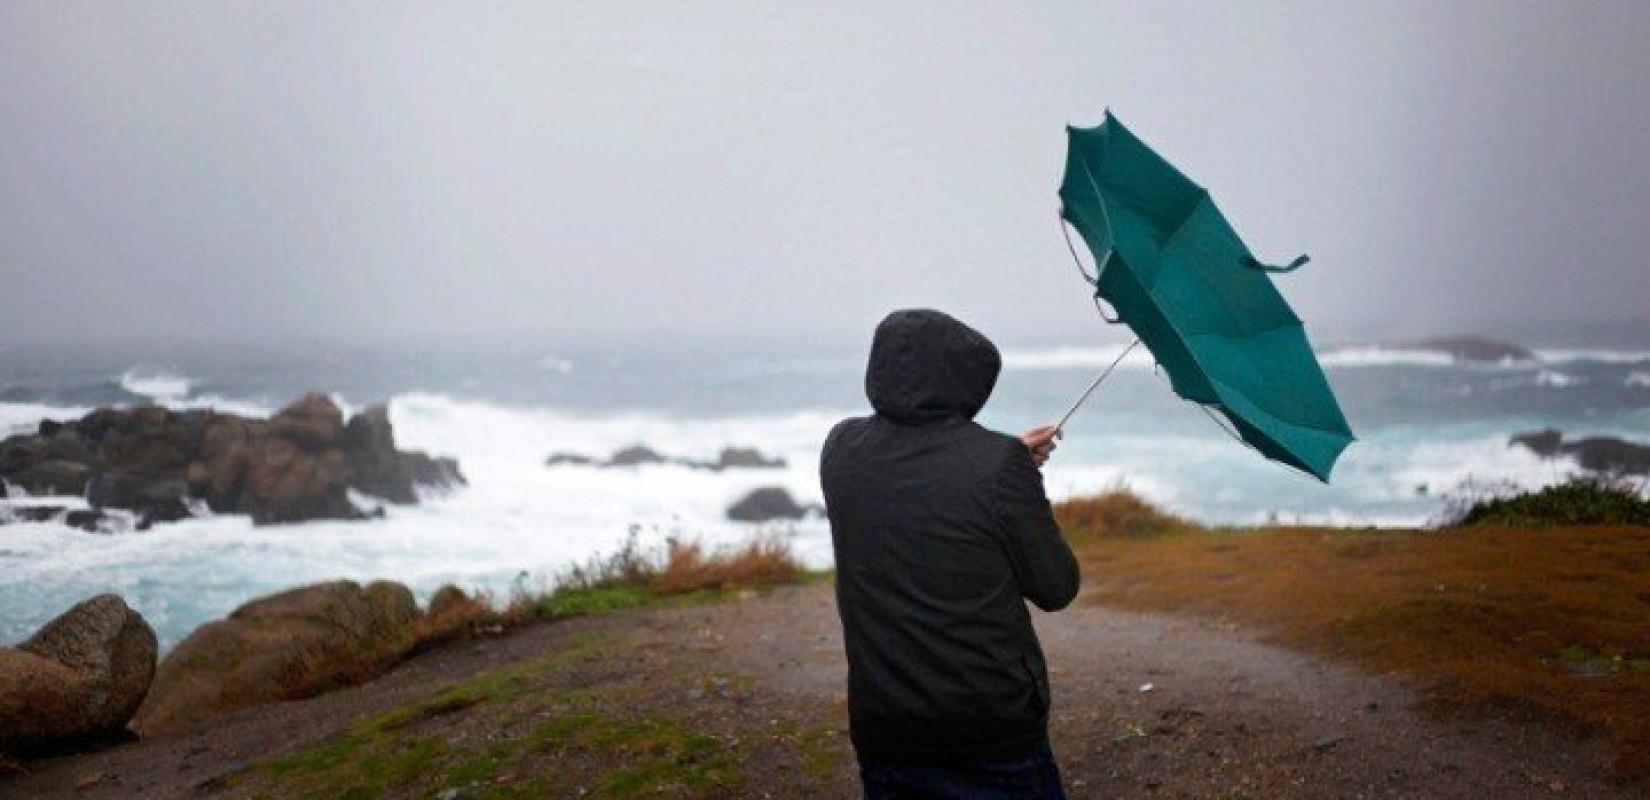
(746, 458)
(767, 504)
(378, 469)
(52, 477)
(1608, 455)
(313, 422)
(290, 645)
(78, 680)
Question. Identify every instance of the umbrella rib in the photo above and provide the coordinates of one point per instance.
(1105, 214)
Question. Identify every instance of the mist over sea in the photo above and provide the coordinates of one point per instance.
(1425, 423)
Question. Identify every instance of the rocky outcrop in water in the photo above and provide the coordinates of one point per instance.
(768, 504)
(642, 455)
(1471, 349)
(78, 680)
(299, 464)
(1608, 455)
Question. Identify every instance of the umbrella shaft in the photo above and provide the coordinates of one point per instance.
(1060, 428)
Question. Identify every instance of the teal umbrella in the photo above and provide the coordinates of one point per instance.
(1178, 275)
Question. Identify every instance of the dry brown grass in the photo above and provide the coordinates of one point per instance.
(1552, 624)
(1116, 513)
(763, 561)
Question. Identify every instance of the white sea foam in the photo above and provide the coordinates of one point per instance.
(156, 383)
(25, 417)
(1638, 379)
(1071, 357)
(1552, 379)
(556, 364)
(1597, 356)
(1373, 356)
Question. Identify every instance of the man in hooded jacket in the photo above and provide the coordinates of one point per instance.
(941, 532)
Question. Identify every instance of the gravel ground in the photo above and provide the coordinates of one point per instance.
(1146, 705)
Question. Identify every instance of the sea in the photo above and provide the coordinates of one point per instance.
(1430, 431)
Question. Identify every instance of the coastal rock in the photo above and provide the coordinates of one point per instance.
(639, 455)
(89, 520)
(382, 471)
(78, 680)
(52, 477)
(312, 422)
(290, 645)
(635, 456)
(298, 465)
(573, 459)
(1608, 455)
(746, 458)
(767, 504)
(1472, 349)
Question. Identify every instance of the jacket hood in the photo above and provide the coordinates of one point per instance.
(925, 365)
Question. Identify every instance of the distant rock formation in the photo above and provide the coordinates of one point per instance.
(299, 464)
(1470, 349)
(642, 455)
(289, 645)
(1608, 455)
(77, 681)
(767, 504)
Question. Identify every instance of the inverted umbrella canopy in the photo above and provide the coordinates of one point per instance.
(1179, 276)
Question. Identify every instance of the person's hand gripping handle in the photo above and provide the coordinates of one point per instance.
(1041, 441)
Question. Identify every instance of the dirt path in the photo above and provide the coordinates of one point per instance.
(1145, 706)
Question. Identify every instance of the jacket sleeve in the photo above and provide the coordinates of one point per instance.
(1042, 561)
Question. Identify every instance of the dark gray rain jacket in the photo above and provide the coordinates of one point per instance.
(941, 532)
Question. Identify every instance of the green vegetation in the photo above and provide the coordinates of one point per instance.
(1584, 501)
(680, 573)
(543, 742)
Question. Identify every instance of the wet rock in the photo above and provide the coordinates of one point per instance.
(640, 455)
(1607, 455)
(1472, 349)
(298, 465)
(78, 680)
(572, 459)
(52, 477)
(746, 458)
(767, 504)
(289, 645)
(312, 422)
(635, 456)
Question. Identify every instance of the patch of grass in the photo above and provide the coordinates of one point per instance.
(1117, 513)
(411, 750)
(681, 572)
(1583, 501)
(657, 756)
(1552, 621)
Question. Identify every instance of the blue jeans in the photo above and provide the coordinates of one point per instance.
(1030, 777)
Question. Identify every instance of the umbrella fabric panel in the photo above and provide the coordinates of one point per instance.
(1305, 448)
(1207, 289)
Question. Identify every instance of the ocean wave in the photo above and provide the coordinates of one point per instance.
(156, 383)
(1552, 379)
(25, 417)
(1638, 379)
(1074, 357)
(1596, 356)
(1384, 357)
(556, 364)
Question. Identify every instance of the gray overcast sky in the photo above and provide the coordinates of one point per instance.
(204, 169)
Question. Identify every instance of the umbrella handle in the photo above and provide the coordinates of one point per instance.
(1250, 262)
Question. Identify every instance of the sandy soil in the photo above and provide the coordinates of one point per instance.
(1145, 706)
